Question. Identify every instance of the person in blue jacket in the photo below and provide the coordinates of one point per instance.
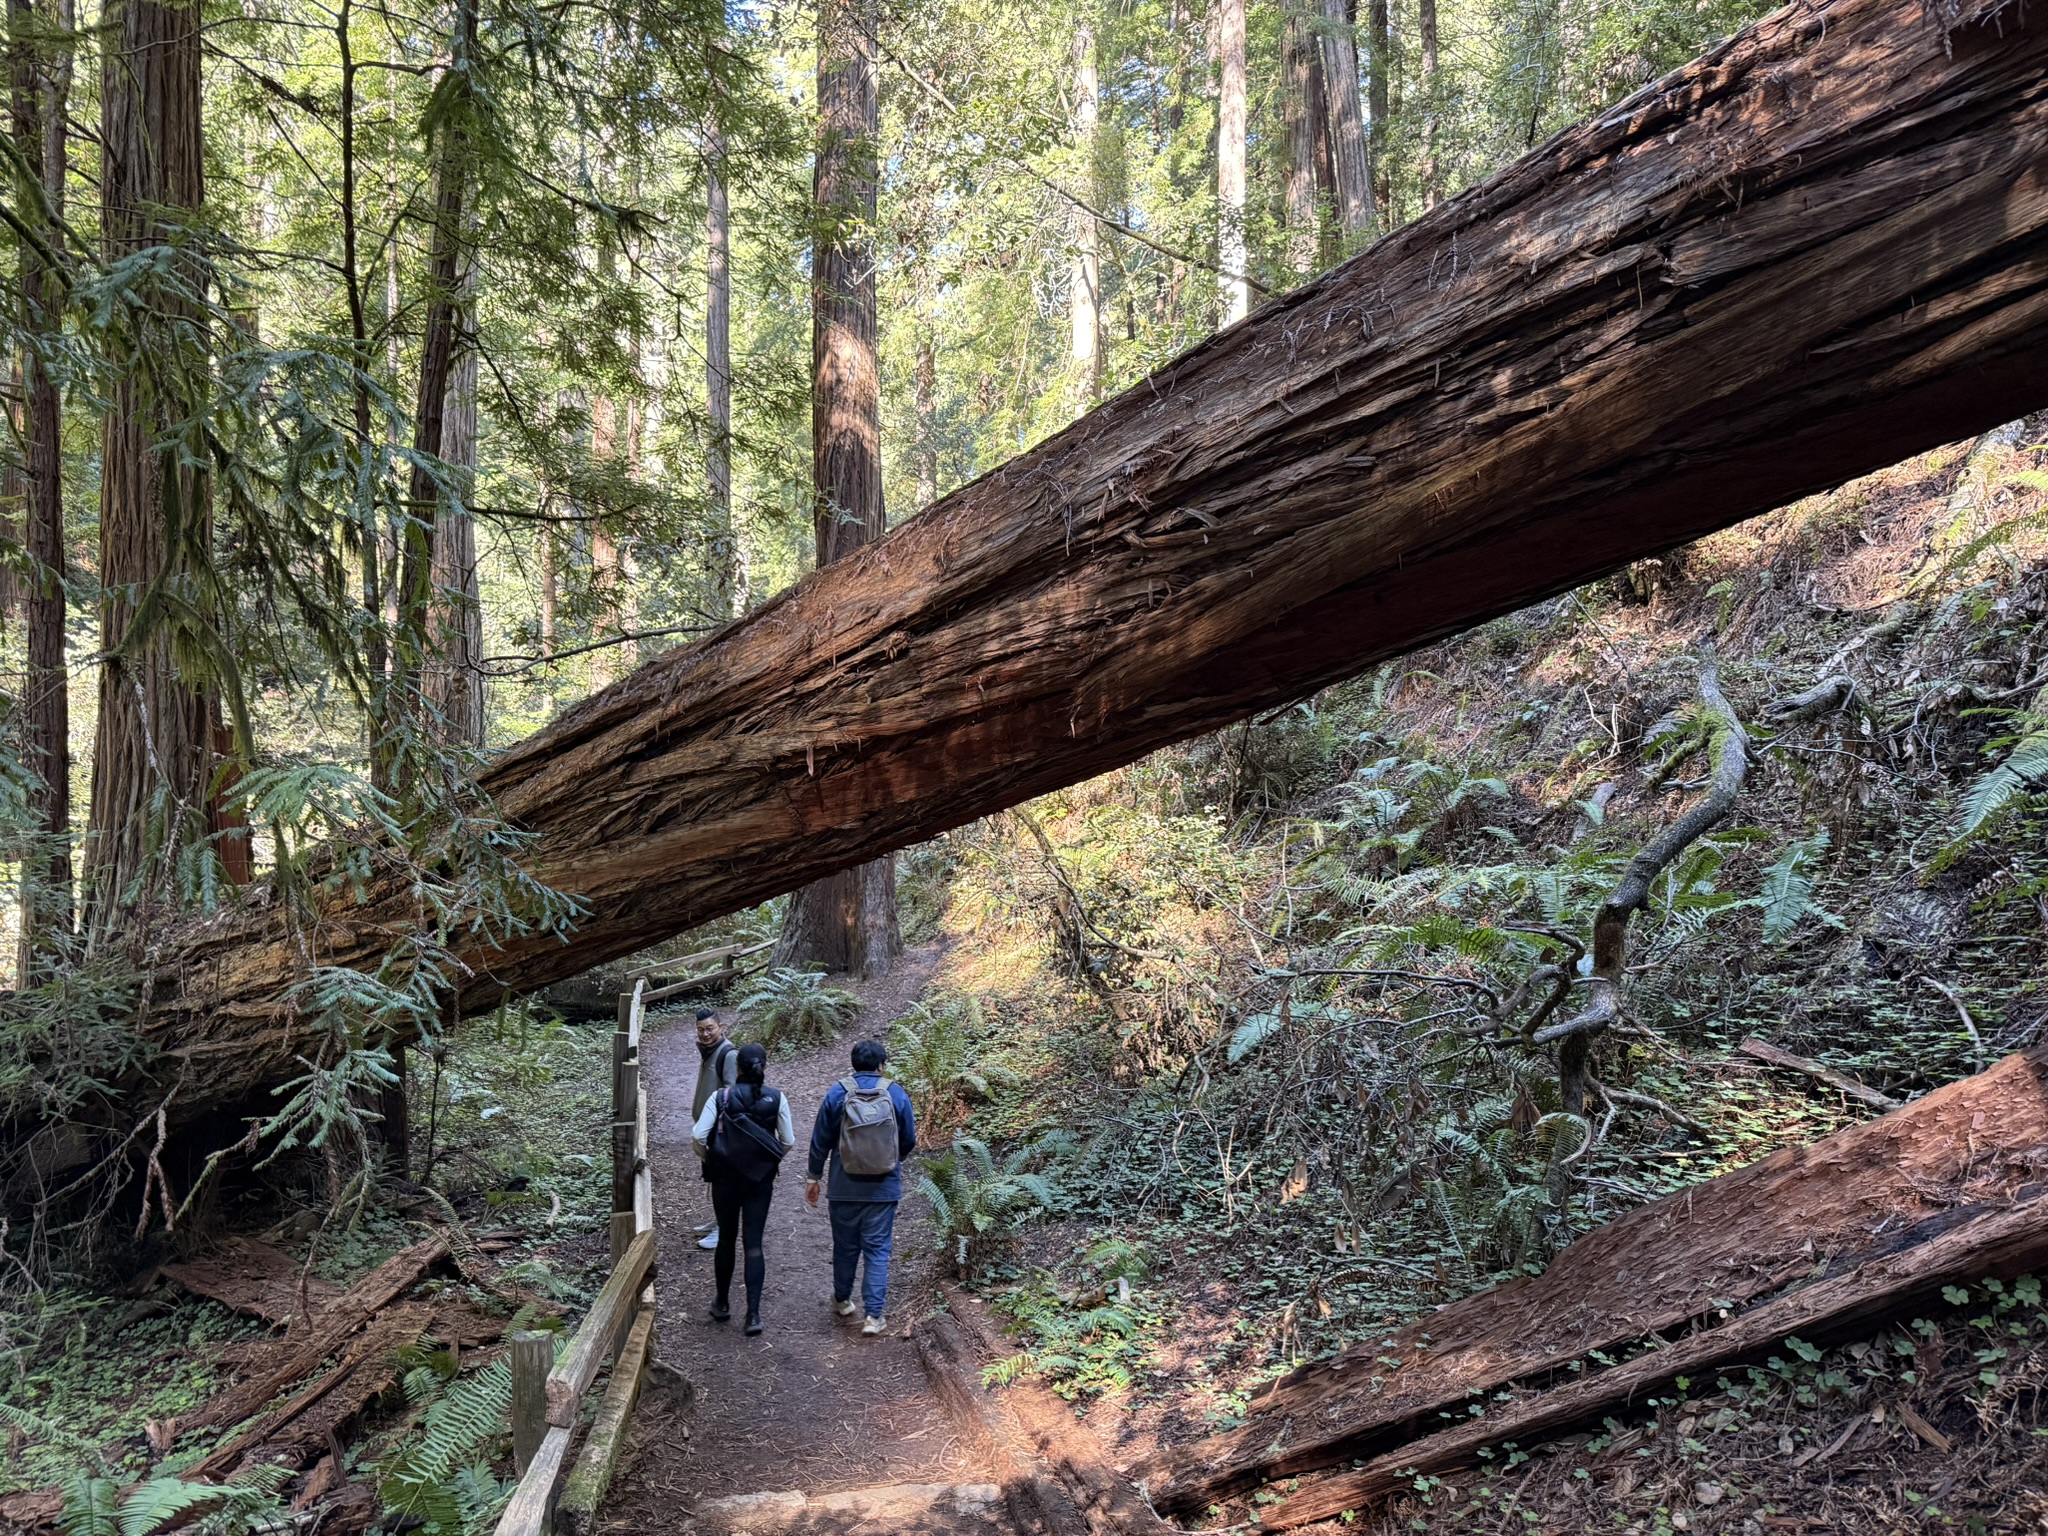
(863, 1197)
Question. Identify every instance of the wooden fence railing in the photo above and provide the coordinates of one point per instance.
(548, 1393)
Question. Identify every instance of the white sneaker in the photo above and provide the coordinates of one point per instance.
(843, 1308)
(709, 1240)
(704, 1226)
(874, 1325)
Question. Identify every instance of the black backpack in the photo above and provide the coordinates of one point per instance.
(744, 1145)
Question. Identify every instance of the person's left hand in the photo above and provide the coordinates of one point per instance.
(811, 1189)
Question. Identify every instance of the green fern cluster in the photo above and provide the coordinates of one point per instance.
(793, 1007)
(444, 1477)
(978, 1203)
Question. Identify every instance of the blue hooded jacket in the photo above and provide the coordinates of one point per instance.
(875, 1190)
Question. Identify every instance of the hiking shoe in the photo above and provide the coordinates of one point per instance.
(702, 1227)
(874, 1325)
(709, 1240)
(843, 1308)
(753, 1324)
(720, 1312)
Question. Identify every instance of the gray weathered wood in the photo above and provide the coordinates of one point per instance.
(599, 1336)
(599, 1459)
(532, 1355)
(532, 1510)
(1861, 1092)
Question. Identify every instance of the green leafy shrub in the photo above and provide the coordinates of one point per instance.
(792, 1007)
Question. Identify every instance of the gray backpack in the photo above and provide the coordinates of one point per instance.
(867, 1130)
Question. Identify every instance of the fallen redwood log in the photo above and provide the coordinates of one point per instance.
(1718, 1248)
(1820, 247)
(1963, 1246)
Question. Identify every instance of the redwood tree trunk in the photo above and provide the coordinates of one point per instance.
(153, 747)
(847, 921)
(1230, 162)
(1350, 158)
(731, 598)
(40, 89)
(1820, 248)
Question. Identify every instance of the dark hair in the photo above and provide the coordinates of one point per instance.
(753, 1064)
(707, 1013)
(869, 1055)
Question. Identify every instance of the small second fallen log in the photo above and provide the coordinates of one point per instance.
(1038, 1506)
(1999, 1243)
(1730, 1243)
(1841, 1082)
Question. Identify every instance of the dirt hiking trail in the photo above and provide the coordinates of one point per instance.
(809, 1407)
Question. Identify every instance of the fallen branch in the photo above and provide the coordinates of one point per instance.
(2001, 1242)
(349, 1312)
(1862, 1093)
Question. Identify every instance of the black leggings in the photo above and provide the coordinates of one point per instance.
(742, 1212)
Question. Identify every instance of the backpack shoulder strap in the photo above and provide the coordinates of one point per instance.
(851, 1085)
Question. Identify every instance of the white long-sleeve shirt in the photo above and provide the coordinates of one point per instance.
(700, 1133)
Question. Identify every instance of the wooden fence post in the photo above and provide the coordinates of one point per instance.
(625, 1107)
(533, 1356)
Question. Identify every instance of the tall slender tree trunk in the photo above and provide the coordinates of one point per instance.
(1350, 159)
(452, 681)
(152, 752)
(1432, 189)
(1378, 72)
(440, 346)
(846, 921)
(924, 399)
(1084, 290)
(730, 572)
(1230, 158)
(41, 95)
(1307, 127)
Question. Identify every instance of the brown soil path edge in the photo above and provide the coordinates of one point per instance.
(809, 1405)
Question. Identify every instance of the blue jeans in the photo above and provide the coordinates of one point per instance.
(862, 1229)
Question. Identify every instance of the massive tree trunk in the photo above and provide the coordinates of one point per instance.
(1378, 67)
(1820, 248)
(153, 748)
(846, 921)
(41, 91)
(1230, 157)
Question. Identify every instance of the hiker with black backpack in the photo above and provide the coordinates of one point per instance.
(865, 1128)
(718, 1062)
(742, 1135)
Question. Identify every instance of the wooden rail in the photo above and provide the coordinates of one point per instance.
(556, 1494)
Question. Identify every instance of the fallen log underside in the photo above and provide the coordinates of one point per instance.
(1819, 248)
(1807, 1240)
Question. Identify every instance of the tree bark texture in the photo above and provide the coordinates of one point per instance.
(732, 600)
(846, 921)
(1378, 64)
(1084, 283)
(1426, 85)
(1306, 124)
(153, 748)
(1737, 1241)
(40, 102)
(1819, 248)
(1230, 162)
(452, 678)
(1351, 160)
